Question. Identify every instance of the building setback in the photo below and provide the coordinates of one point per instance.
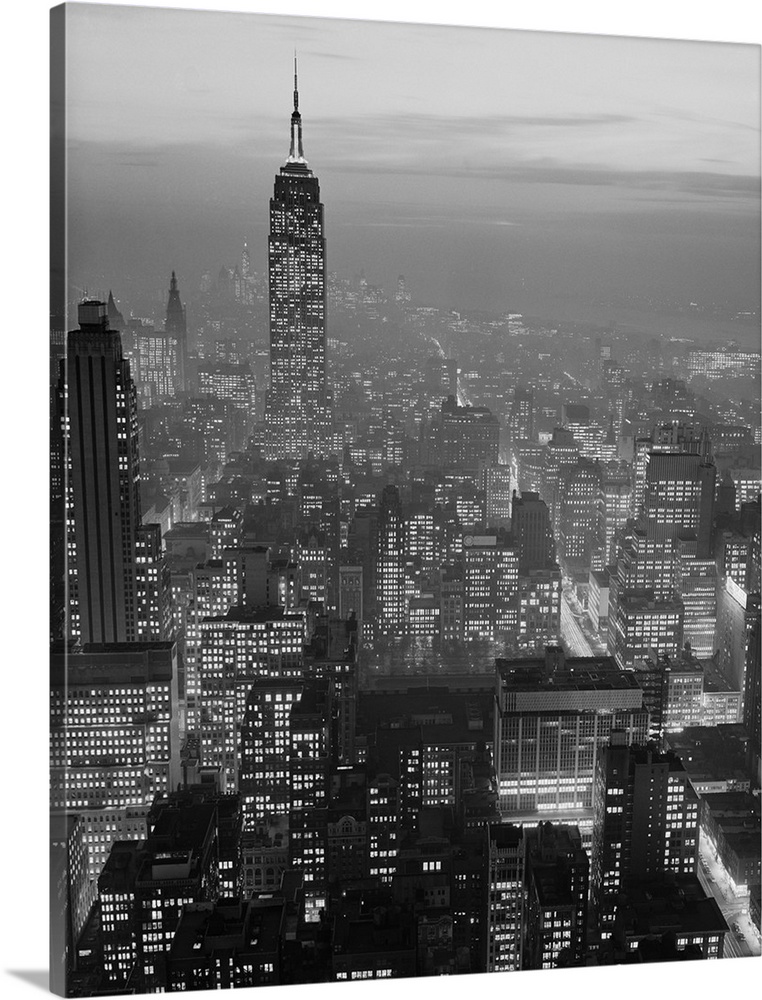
(297, 411)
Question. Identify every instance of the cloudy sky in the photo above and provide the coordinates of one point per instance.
(491, 167)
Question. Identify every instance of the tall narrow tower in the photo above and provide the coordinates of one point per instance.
(390, 564)
(103, 483)
(175, 327)
(297, 412)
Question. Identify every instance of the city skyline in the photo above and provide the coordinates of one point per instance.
(413, 597)
(624, 153)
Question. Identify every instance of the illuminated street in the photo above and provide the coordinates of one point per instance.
(742, 942)
(571, 634)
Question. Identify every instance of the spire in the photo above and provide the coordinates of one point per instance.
(296, 86)
(175, 310)
(296, 152)
(116, 320)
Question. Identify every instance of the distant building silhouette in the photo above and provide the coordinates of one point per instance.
(176, 329)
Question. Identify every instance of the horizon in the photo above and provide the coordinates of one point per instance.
(624, 175)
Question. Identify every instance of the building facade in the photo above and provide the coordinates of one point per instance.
(297, 410)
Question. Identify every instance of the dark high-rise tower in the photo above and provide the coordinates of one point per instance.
(176, 329)
(297, 413)
(532, 531)
(103, 498)
(646, 821)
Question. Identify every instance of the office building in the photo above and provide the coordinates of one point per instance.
(578, 521)
(638, 623)
(153, 595)
(101, 430)
(505, 857)
(490, 587)
(373, 939)
(560, 456)
(227, 944)
(351, 593)
(231, 384)
(668, 918)
(72, 889)
(297, 410)
(391, 608)
(613, 507)
(737, 613)
(383, 812)
(315, 560)
(680, 497)
(497, 486)
(752, 715)
(238, 649)
(470, 436)
(265, 744)
(114, 738)
(418, 534)
(588, 434)
(521, 415)
(530, 526)
(211, 592)
(553, 717)
(644, 563)
(309, 755)
(178, 866)
(176, 330)
(722, 362)
(558, 882)
(201, 786)
(539, 593)
(120, 937)
(402, 295)
(347, 827)
(730, 822)
(696, 587)
(684, 693)
(156, 364)
(451, 587)
(527, 464)
(646, 823)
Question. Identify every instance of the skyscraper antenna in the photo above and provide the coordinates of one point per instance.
(296, 86)
(296, 152)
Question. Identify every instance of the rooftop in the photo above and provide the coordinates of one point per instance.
(244, 616)
(676, 903)
(114, 663)
(577, 673)
(207, 928)
(180, 827)
(435, 715)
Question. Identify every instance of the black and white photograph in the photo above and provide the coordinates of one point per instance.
(405, 487)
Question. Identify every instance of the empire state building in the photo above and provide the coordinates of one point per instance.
(297, 411)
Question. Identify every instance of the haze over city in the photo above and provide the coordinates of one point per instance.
(406, 511)
(584, 177)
